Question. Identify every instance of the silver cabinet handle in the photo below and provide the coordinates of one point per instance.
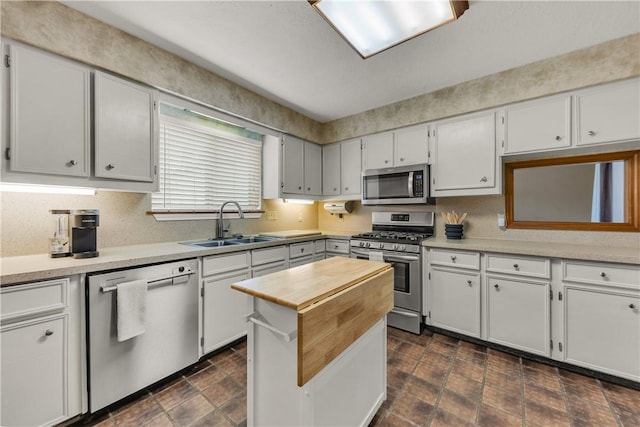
(110, 166)
(483, 179)
(287, 337)
(48, 332)
(402, 313)
(591, 133)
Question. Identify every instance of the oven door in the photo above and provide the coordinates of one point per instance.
(407, 283)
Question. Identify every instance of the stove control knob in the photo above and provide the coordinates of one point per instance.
(395, 247)
(403, 248)
(381, 245)
(361, 244)
(368, 244)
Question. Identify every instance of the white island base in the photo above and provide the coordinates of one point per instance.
(346, 392)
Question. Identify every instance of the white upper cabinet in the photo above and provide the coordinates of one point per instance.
(350, 167)
(465, 157)
(402, 147)
(293, 165)
(538, 125)
(341, 169)
(125, 120)
(608, 113)
(49, 114)
(411, 145)
(377, 151)
(312, 169)
(331, 169)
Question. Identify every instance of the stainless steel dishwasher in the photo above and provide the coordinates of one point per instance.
(168, 344)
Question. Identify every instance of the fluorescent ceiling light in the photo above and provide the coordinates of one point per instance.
(299, 201)
(371, 26)
(46, 189)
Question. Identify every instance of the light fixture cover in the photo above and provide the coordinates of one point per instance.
(371, 26)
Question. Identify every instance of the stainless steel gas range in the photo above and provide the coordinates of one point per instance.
(395, 238)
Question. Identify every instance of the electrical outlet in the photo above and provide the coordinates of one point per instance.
(299, 216)
(272, 215)
(501, 221)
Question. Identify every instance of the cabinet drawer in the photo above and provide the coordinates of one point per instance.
(338, 246)
(222, 263)
(268, 255)
(301, 260)
(627, 276)
(23, 301)
(319, 246)
(532, 267)
(300, 249)
(455, 258)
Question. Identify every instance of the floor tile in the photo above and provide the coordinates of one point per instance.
(541, 378)
(489, 416)
(463, 408)
(413, 409)
(502, 399)
(175, 394)
(139, 413)
(222, 391)
(537, 414)
(190, 410)
(470, 370)
(443, 418)
(401, 362)
(464, 386)
(544, 396)
(396, 378)
(203, 378)
(236, 409)
(623, 399)
(423, 389)
(407, 349)
(212, 419)
(583, 412)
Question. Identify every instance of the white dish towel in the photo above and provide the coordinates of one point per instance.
(131, 308)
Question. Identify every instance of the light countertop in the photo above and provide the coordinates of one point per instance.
(623, 255)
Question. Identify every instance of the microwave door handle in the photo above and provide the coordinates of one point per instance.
(410, 185)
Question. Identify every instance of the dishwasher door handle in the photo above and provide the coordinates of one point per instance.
(152, 283)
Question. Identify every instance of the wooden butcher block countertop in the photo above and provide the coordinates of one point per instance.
(337, 301)
(299, 287)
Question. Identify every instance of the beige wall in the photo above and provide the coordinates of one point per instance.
(25, 219)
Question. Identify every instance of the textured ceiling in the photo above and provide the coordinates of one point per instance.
(286, 52)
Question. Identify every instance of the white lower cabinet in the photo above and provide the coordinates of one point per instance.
(518, 314)
(454, 300)
(601, 324)
(41, 353)
(268, 260)
(337, 247)
(223, 308)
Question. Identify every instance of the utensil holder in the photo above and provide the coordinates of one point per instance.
(453, 231)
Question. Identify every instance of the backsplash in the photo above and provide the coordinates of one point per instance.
(25, 223)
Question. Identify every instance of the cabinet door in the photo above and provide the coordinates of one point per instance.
(602, 330)
(411, 145)
(465, 156)
(377, 151)
(124, 129)
(350, 167)
(312, 169)
(49, 114)
(608, 113)
(518, 314)
(293, 165)
(223, 310)
(454, 301)
(538, 125)
(34, 372)
(331, 170)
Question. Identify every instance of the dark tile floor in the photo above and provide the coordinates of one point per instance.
(433, 380)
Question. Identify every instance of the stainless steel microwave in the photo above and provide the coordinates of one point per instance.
(402, 185)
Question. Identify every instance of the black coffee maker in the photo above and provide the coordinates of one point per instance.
(84, 226)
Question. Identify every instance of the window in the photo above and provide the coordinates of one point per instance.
(205, 162)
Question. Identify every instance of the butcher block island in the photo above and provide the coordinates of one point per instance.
(316, 338)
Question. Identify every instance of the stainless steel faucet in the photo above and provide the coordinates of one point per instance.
(221, 229)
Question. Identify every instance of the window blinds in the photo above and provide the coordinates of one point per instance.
(202, 168)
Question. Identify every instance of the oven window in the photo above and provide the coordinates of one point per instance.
(401, 277)
(388, 186)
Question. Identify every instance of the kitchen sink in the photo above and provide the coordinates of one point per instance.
(215, 243)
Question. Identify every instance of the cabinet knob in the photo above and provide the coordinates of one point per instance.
(632, 306)
(308, 188)
(558, 137)
(335, 189)
(469, 282)
(110, 166)
(301, 250)
(603, 274)
(496, 286)
(483, 179)
(346, 188)
(386, 161)
(515, 266)
(453, 258)
(48, 332)
(72, 163)
(299, 188)
(591, 133)
(402, 159)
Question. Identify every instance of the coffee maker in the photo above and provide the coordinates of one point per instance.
(84, 226)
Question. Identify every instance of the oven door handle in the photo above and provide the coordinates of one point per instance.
(401, 258)
(361, 253)
(404, 313)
